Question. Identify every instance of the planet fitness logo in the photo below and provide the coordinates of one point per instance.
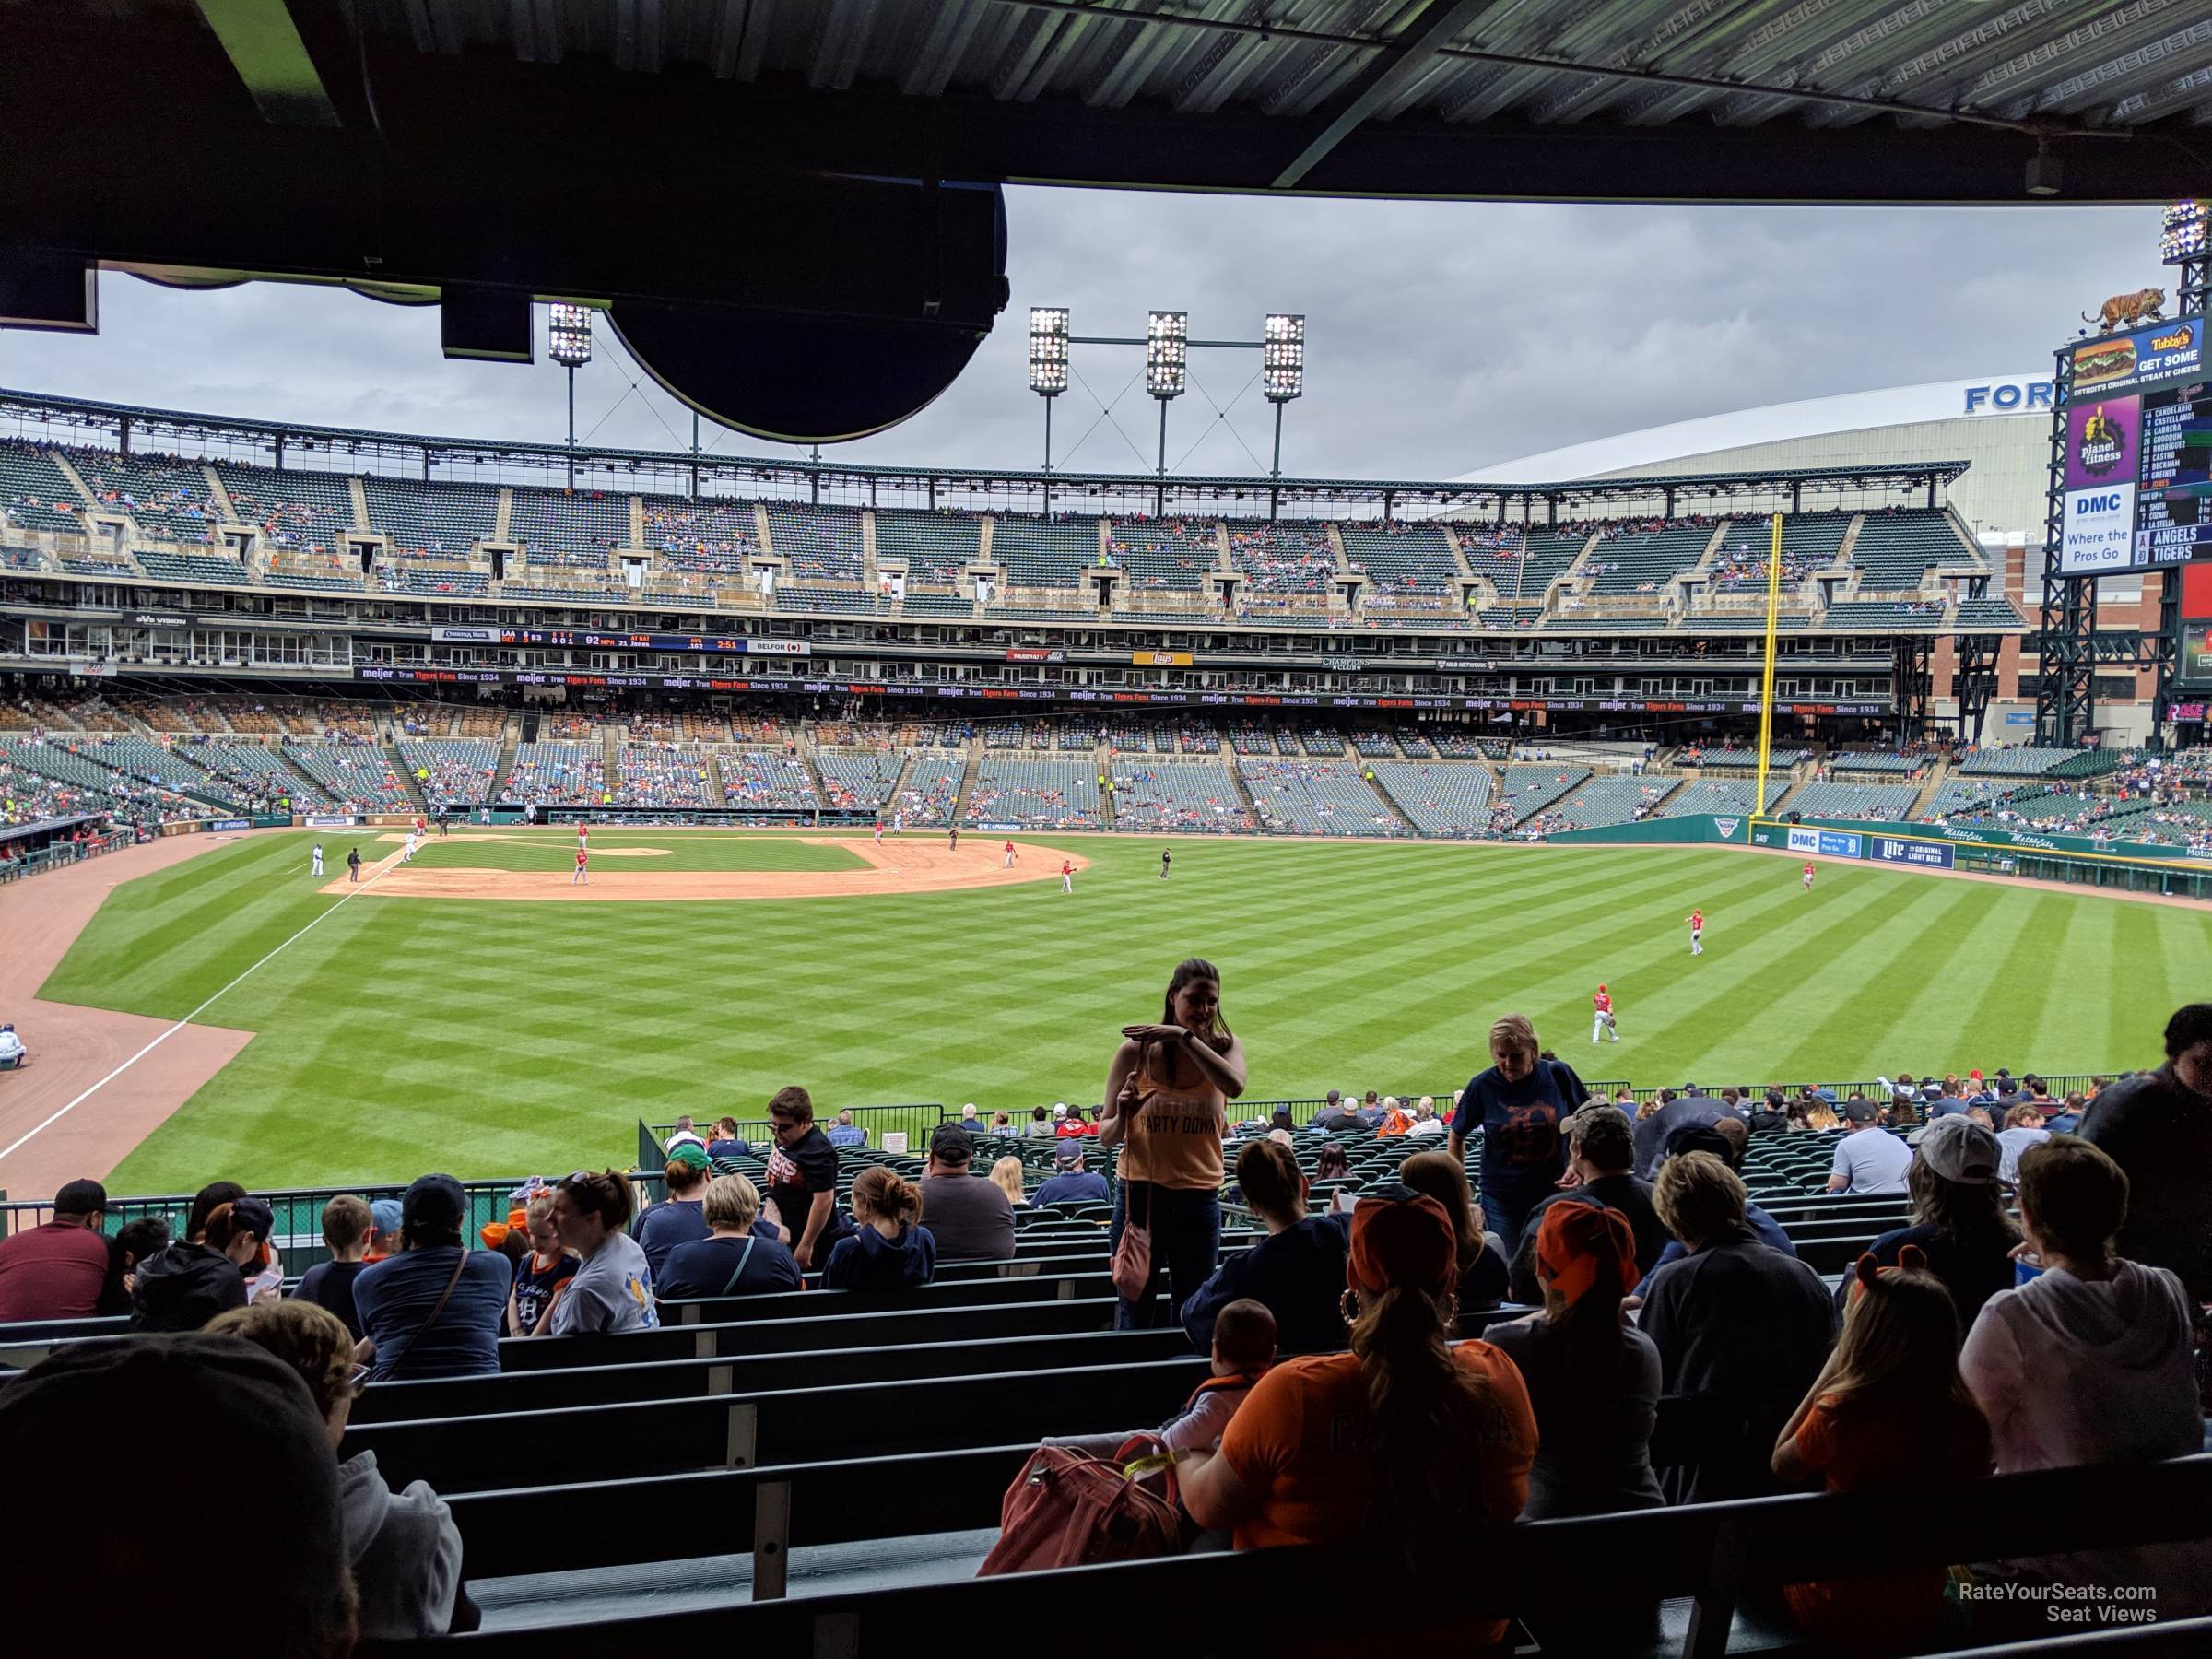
(2103, 446)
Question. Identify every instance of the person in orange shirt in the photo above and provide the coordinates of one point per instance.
(1888, 1409)
(1396, 1120)
(1307, 1461)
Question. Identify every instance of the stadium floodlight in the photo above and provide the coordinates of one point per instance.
(572, 334)
(1283, 356)
(1048, 349)
(2182, 236)
(1167, 353)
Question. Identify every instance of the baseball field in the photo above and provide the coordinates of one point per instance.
(426, 1018)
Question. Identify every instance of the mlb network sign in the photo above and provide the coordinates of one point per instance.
(2008, 397)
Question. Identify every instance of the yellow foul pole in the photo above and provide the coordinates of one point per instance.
(1766, 680)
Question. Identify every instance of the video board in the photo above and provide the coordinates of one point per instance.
(2137, 469)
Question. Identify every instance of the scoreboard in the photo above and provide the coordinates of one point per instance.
(2137, 469)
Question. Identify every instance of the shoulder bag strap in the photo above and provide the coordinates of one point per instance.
(390, 1365)
(743, 1256)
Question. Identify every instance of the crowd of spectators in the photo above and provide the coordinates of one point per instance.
(1969, 1341)
(662, 774)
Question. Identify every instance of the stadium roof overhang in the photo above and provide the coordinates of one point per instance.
(82, 420)
(789, 207)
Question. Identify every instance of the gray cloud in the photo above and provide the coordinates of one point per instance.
(1441, 336)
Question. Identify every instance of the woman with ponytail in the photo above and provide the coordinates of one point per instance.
(892, 1249)
(1442, 1437)
(1888, 1409)
(1593, 1377)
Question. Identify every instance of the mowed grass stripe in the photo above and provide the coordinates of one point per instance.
(509, 1039)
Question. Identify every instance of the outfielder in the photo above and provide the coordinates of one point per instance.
(317, 871)
(1009, 859)
(1068, 876)
(1602, 1026)
(1808, 874)
(1697, 931)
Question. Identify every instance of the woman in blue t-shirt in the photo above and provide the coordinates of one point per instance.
(1517, 1104)
(733, 1259)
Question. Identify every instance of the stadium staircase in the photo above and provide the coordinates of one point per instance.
(60, 459)
(509, 739)
(972, 761)
(503, 517)
(610, 738)
(1236, 777)
(1847, 550)
(1925, 799)
(360, 501)
(1373, 779)
(802, 742)
(220, 495)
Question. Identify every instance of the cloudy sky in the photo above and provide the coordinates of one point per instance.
(1441, 336)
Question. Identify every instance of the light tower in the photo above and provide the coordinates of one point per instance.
(1282, 369)
(570, 330)
(1167, 375)
(1048, 363)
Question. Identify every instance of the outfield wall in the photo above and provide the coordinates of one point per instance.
(1692, 828)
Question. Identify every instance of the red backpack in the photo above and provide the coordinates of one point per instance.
(1069, 1509)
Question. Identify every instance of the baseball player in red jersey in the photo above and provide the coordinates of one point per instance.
(583, 835)
(582, 877)
(1067, 876)
(419, 825)
(1697, 927)
(1808, 874)
(1602, 1026)
(1009, 863)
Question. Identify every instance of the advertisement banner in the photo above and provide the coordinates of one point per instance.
(468, 636)
(2119, 362)
(1160, 659)
(1828, 843)
(2103, 453)
(790, 648)
(1025, 654)
(215, 825)
(167, 620)
(335, 822)
(1926, 854)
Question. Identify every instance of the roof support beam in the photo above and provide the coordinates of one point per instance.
(263, 46)
(1382, 79)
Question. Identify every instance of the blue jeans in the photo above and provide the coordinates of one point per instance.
(1186, 1241)
(1505, 1220)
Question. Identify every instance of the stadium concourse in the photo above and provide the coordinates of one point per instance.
(843, 1379)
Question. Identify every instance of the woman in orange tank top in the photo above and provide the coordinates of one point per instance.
(1165, 1107)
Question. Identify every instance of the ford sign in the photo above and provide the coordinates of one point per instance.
(2008, 397)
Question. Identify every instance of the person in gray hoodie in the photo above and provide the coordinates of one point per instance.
(403, 1547)
(2089, 1361)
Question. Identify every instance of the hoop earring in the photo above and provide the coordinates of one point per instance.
(1348, 1305)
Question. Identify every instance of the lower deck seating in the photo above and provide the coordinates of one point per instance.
(1186, 796)
(1444, 798)
(1310, 797)
(1036, 794)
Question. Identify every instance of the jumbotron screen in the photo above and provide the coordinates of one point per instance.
(2138, 459)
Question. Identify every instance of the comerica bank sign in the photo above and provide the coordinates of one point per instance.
(2008, 397)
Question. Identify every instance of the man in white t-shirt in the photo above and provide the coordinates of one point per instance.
(1868, 1159)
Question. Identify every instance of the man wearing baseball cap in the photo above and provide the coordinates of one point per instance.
(62, 1269)
(434, 1308)
(970, 1219)
(212, 1420)
(1959, 1221)
(1070, 1183)
(1868, 1159)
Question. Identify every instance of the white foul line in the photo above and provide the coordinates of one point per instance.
(63, 1112)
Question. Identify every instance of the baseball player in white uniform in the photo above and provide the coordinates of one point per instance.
(317, 871)
(408, 856)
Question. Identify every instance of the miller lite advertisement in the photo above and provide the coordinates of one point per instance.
(2104, 449)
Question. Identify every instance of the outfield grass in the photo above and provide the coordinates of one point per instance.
(625, 850)
(498, 1039)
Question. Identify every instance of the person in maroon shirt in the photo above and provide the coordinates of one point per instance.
(65, 1269)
